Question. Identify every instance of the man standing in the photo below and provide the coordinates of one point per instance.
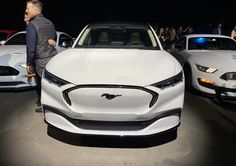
(38, 31)
(218, 30)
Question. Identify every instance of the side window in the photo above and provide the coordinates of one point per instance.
(65, 41)
(19, 39)
(227, 44)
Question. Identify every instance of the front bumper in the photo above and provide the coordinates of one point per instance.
(221, 93)
(83, 109)
(163, 122)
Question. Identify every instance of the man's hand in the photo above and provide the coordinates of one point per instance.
(29, 69)
(52, 42)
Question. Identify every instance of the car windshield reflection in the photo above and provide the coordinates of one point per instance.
(117, 37)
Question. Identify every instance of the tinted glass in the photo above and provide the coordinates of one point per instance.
(108, 37)
(19, 39)
(211, 43)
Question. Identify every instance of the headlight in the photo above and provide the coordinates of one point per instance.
(170, 81)
(206, 69)
(54, 79)
(229, 76)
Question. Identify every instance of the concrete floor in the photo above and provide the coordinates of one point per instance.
(206, 137)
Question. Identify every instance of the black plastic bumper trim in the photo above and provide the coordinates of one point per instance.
(111, 125)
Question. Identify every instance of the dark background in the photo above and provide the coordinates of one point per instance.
(72, 15)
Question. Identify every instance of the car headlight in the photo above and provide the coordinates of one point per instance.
(229, 76)
(170, 81)
(206, 69)
(54, 79)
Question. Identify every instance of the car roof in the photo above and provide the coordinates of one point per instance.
(206, 35)
(119, 24)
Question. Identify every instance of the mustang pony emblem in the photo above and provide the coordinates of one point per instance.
(109, 96)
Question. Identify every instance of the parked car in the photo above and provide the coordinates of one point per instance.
(209, 63)
(5, 34)
(13, 60)
(115, 80)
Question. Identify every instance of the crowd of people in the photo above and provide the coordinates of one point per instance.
(170, 34)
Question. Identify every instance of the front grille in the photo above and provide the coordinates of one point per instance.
(8, 71)
(112, 125)
(152, 102)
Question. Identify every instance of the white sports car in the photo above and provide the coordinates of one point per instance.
(115, 80)
(13, 75)
(209, 63)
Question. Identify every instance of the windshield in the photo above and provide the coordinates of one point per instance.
(211, 43)
(118, 37)
(18, 39)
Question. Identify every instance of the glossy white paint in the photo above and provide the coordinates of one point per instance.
(139, 68)
(114, 66)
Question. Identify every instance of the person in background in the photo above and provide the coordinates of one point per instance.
(161, 35)
(218, 30)
(179, 33)
(172, 32)
(233, 33)
(189, 30)
(38, 31)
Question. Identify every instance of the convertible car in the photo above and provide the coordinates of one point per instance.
(115, 80)
(13, 75)
(209, 63)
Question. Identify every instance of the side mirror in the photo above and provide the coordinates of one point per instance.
(2, 42)
(66, 45)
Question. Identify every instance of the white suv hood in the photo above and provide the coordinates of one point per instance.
(113, 66)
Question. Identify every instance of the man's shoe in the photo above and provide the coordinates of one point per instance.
(39, 109)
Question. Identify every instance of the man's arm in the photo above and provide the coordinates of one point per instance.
(31, 40)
